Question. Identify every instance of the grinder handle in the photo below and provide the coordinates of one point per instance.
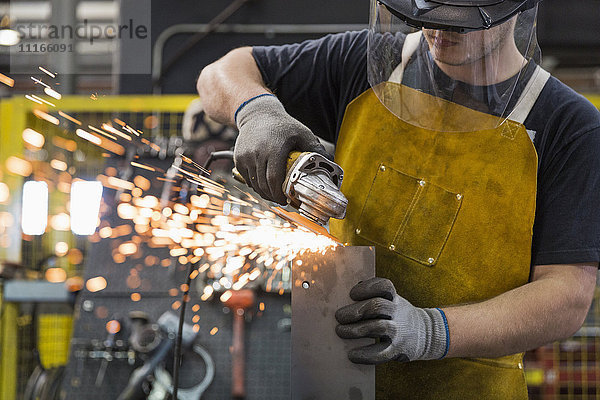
(292, 157)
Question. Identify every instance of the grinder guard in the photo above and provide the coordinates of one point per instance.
(312, 185)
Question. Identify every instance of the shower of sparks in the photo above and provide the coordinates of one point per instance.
(232, 239)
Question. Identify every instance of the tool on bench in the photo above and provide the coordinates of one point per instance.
(109, 344)
(168, 322)
(164, 382)
(239, 302)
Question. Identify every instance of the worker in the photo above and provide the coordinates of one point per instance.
(473, 171)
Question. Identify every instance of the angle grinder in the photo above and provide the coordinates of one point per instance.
(312, 186)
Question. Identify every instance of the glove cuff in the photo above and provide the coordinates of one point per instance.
(438, 340)
(265, 102)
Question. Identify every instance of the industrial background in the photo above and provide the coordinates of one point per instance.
(67, 333)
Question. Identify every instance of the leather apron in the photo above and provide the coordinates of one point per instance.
(451, 216)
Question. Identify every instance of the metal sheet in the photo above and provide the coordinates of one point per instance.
(320, 366)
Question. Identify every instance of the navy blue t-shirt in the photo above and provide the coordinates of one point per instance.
(315, 80)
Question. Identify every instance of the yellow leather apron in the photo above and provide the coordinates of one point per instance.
(451, 216)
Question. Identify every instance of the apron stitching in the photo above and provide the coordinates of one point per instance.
(362, 211)
(409, 211)
(511, 132)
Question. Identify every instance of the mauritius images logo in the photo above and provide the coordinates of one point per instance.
(85, 31)
(86, 35)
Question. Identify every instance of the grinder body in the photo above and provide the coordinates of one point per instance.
(312, 186)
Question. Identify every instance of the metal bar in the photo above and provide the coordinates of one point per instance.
(320, 365)
(133, 103)
(17, 291)
(12, 123)
(8, 350)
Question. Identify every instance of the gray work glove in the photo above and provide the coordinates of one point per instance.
(405, 332)
(268, 134)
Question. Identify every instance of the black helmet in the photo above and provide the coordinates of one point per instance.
(456, 15)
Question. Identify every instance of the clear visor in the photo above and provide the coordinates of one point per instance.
(449, 81)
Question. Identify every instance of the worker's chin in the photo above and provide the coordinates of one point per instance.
(452, 59)
(456, 57)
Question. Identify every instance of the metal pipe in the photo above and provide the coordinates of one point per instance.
(63, 14)
(266, 29)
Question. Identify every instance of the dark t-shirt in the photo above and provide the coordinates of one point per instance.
(317, 79)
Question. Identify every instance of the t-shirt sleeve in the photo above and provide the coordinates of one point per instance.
(567, 223)
(316, 79)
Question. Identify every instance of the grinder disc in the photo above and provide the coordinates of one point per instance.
(299, 220)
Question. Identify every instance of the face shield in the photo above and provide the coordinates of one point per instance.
(447, 78)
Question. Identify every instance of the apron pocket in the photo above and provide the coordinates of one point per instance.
(408, 215)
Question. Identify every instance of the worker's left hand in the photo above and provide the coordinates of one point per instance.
(405, 332)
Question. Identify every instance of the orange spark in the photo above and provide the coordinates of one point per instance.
(67, 116)
(50, 74)
(7, 80)
(142, 166)
(45, 116)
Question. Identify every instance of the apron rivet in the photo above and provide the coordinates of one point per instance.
(382, 167)
(357, 231)
(459, 196)
(430, 260)
(392, 247)
(422, 183)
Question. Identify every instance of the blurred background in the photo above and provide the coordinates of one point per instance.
(81, 291)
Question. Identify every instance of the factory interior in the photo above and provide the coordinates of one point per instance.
(135, 263)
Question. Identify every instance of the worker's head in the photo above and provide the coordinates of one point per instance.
(451, 48)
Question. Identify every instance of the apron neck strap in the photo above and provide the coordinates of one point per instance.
(411, 43)
(530, 95)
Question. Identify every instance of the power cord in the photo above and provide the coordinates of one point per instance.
(216, 155)
(184, 300)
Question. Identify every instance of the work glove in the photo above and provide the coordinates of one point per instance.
(267, 135)
(405, 332)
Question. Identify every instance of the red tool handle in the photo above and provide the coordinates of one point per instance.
(238, 373)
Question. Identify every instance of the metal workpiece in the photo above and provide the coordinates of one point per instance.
(313, 187)
(320, 365)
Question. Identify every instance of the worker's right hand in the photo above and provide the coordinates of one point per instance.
(267, 135)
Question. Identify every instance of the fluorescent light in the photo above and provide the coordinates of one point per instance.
(85, 206)
(34, 214)
(9, 37)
